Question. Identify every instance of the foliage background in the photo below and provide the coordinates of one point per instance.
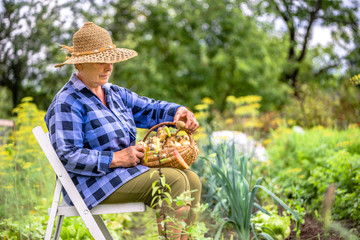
(188, 50)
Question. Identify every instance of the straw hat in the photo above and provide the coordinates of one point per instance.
(93, 44)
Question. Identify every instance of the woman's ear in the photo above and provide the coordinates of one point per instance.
(78, 66)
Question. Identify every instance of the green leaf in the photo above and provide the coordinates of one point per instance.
(266, 236)
(154, 190)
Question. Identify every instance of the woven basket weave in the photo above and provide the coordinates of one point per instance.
(189, 152)
(93, 44)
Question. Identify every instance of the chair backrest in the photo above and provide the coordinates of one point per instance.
(66, 182)
(59, 168)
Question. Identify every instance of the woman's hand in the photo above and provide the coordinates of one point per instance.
(128, 157)
(183, 114)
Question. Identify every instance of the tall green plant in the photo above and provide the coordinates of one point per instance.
(166, 213)
(26, 179)
(236, 194)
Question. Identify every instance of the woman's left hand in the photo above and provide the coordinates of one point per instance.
(183, 114)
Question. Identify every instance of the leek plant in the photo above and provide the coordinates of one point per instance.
(235, 191)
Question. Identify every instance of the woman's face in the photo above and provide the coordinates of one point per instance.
(94, 74)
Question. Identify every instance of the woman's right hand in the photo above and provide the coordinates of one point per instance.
(128, 157)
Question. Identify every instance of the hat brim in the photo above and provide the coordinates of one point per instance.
(108, 56)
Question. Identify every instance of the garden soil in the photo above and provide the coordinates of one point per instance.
(313, 229)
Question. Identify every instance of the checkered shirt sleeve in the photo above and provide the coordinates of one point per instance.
(147, 112)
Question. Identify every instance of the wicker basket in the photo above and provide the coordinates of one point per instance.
(189, 152)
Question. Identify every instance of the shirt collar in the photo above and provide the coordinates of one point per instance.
(78, 85)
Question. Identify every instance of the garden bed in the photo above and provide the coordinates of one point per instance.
(313, 229)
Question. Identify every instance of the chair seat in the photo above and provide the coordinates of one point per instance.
(70, 211)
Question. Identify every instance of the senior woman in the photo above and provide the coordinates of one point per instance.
(92, 125)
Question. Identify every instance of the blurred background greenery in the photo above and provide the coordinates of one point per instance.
(192, 49)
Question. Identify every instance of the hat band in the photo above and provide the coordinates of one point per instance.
(76, 54)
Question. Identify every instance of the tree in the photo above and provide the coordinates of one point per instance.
(194, 49)
(28, 29)
(30, 34)
(300, 17)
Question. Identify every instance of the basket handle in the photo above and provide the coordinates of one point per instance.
(165, 123)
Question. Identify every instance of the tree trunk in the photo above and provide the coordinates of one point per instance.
(293, 76)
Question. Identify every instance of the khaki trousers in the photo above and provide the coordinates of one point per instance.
(139, 189)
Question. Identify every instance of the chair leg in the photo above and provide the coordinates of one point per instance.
(58, 227)
(53, 210)
(49, 227)
(103, 227)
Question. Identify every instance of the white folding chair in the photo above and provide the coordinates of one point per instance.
(91, 218)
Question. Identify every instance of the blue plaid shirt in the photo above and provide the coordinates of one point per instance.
(85, 133)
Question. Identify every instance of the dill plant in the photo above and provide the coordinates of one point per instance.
(26, 177)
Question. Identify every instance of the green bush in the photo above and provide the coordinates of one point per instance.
(314, 160)
(5, 104)
(327, 107)
(342, 168)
